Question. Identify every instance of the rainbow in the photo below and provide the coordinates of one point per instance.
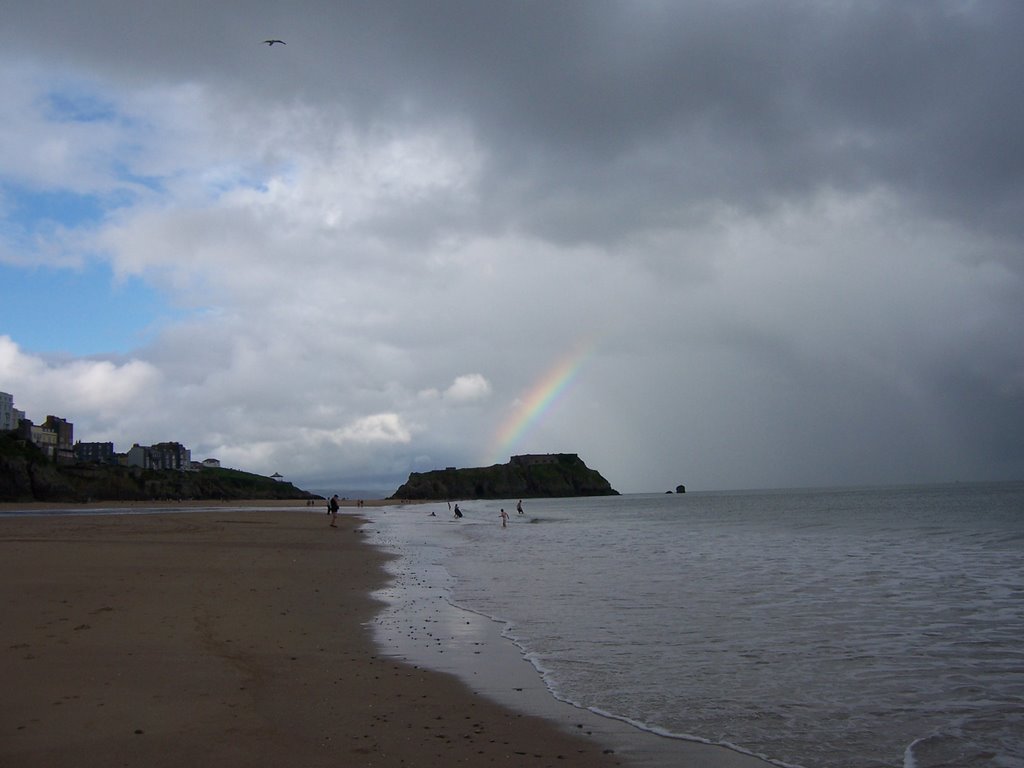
(538, 401)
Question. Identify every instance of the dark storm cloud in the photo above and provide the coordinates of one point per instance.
(747, 104)
(625, 112)
(601, 118)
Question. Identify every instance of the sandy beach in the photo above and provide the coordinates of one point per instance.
(229, 638)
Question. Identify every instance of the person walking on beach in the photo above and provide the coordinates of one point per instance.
(519, 507)
(333, 505)
(504, 518)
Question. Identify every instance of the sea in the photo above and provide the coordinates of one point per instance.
(818, 628)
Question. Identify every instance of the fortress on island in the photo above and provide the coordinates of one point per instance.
(543, 475)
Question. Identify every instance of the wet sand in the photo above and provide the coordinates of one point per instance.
(227, 638)
(38, 507)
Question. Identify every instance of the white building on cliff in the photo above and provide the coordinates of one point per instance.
(9, 415)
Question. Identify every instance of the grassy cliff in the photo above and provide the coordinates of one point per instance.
(26, 475)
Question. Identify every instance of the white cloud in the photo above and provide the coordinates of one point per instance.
(468, 388)
(103, 389)
(378, 428)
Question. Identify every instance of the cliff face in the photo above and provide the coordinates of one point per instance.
(22, 479)
(26, 475)
(566, 476)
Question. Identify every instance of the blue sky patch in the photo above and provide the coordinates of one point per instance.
(78, 107)
(34, 210)
(79, 312)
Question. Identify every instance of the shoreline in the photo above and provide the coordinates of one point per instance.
(486, 705)
(421, 625)
(234, 637)
(37, 507)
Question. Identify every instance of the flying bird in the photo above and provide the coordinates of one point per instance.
(271, 42)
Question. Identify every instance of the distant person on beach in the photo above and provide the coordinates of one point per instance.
(333, 505)
(504, 518)
(458, 512)
(519, 507)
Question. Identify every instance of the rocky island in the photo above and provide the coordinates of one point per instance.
(547, 475)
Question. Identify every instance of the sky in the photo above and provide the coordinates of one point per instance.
(717, 243)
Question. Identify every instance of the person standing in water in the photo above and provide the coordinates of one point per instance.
(519, 507)
(504, 518)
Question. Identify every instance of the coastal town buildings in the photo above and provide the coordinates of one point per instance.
(55, 438)
(160, 456)
(95, 453)
(44, 439)
(64, 431)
